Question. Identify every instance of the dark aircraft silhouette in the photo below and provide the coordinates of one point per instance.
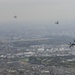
(74, 40)
(71, 44)
(57, 22)
(15, 16)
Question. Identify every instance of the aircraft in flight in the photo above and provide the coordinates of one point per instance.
(71, 44)
(57, 22)
(15, 16)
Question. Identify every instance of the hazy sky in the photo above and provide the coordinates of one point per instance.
(37, 10)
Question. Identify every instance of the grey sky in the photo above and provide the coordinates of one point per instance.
(37, 10)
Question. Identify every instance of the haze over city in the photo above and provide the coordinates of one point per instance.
(37, 37)
(38, 14)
